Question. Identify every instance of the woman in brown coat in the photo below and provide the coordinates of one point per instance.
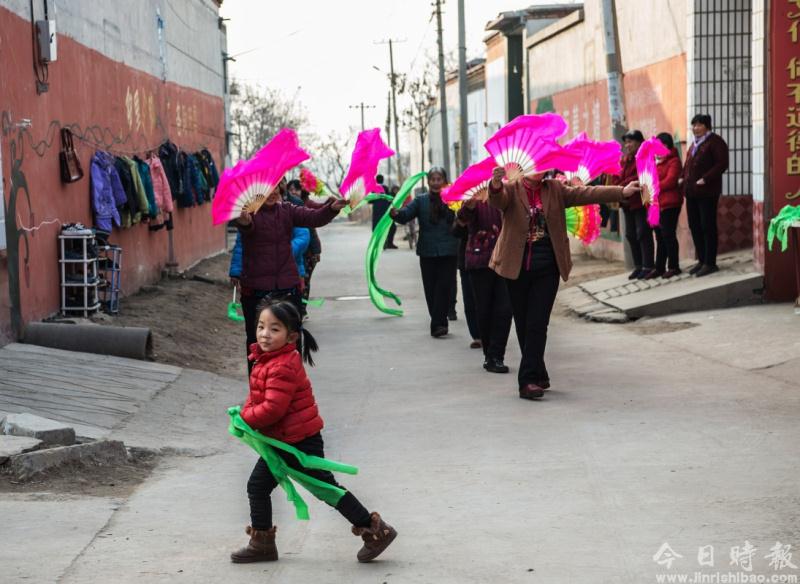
(532, 252)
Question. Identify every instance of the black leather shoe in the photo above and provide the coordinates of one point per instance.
(635, 274)
(531, 391)
(452, 315)
(439, 332)
(706, 270)
(695, 268)
(494, 365)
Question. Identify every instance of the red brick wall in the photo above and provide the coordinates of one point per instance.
(113, 107)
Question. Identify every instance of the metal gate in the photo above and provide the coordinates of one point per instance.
(720, 83)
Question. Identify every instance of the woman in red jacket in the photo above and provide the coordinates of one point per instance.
(281, 405)
(670, 201)
(638, 232)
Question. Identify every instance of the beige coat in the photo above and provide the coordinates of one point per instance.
(512, 200)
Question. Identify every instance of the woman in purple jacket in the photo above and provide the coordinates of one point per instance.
(493, 304)
(268, 266)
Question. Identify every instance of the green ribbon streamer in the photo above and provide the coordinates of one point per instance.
(315, 302)
(234, 311)
(283, 473)
(780, 224)
(368, 199)
(375, 248)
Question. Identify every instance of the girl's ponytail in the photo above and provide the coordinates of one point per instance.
(307, 344)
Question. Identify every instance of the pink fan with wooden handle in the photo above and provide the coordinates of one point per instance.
(648, 176)
(527, 145)
(369, 150)
(596, 158)
(247, 185)
(473, 183)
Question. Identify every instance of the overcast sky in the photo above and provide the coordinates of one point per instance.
(327, 48)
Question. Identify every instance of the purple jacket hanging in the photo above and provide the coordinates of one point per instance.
(106, 189)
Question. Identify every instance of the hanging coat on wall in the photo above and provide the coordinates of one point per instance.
(138, 189)
(161, 188)
(201, 190)
(209, 168)
(129, 213)
(106, 189)
(147, 182)
(168, 153)
(186, 198)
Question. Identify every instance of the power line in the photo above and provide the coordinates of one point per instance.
(362, 106)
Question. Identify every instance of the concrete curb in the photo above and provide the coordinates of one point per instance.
(25, 466)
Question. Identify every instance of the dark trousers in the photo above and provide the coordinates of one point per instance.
(438, 277)
(493, 308)
(262, 483)
(468, 297)
(532, 297)
(702, 215)
(250, 304)
(667, 240)
(640, 237)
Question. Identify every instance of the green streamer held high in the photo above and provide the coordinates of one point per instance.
(375, 248)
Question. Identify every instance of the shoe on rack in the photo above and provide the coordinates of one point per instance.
(672, 273)
(634, 275)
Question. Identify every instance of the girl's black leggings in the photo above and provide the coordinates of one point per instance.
(262, 483)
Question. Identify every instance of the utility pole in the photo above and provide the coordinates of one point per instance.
(393, 80)
(442, 90)
(362, 106)
(462, 90)
(616, 97)
(389, 131)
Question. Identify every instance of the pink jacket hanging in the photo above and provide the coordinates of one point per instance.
(161, 188)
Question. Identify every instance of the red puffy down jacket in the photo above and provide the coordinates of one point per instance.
(281, 403)
(669, 171)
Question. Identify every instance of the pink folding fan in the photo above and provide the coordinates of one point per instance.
(247, 185)
(369, 150)
(527, 145)
(473, 182)
(648, 176)
(596, 158)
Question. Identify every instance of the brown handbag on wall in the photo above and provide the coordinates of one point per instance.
(71, 170)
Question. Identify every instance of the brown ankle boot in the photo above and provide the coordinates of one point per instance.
(260, 549)
(377, 538)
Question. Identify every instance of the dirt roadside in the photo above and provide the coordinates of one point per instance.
(188, 318)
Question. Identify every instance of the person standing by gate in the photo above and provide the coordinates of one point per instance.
(706, 161)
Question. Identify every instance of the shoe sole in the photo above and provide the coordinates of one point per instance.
(389, 539)
(254, 559)
(532, 397)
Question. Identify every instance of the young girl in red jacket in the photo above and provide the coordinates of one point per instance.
(281, 405)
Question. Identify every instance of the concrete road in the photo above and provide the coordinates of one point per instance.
(643, 441)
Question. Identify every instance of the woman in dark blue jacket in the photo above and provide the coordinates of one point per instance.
(437, 248)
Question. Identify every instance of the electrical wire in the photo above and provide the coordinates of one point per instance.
(20, 225)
